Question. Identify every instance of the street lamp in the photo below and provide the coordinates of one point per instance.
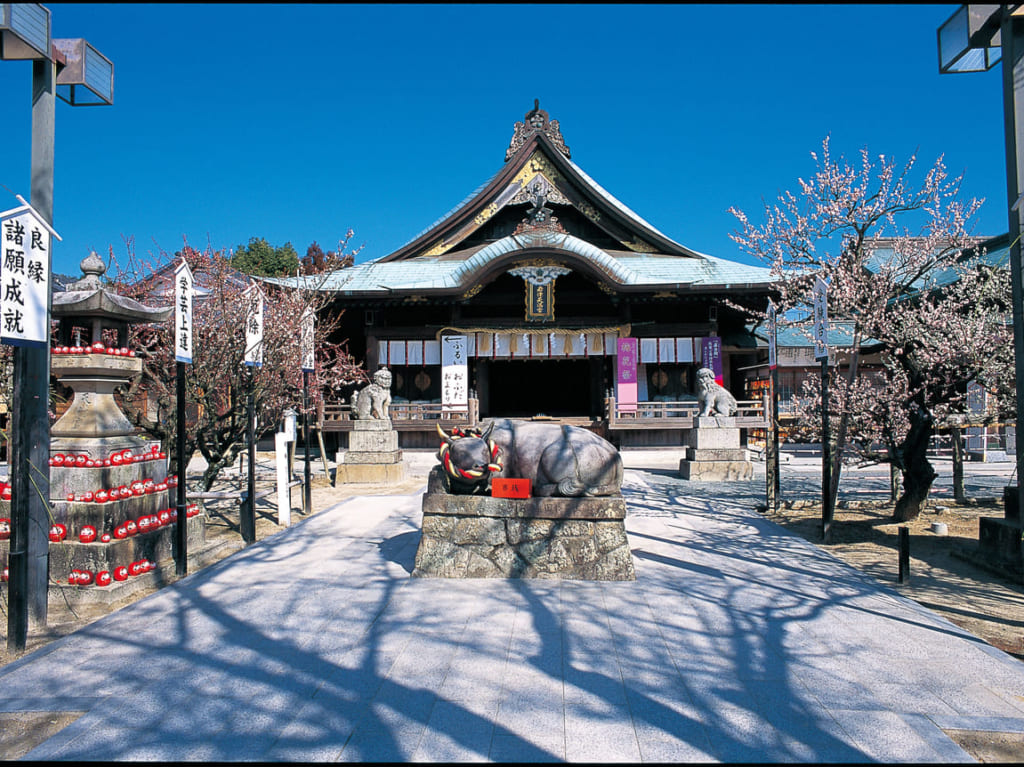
(24, 31)
(87, 77)
(974, 39)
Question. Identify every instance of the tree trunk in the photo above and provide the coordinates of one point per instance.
(918, 473)
(844, 419)
(958, 464)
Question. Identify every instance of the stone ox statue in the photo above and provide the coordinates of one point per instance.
(713, 399)
(557, 459)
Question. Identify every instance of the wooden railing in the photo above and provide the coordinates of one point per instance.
(417, 416)
(405, 416)
(676, 415)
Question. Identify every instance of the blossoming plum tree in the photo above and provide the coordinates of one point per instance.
(216, 381)
(903, 270)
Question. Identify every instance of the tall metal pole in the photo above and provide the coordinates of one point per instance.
(771, 502)
(181, 528)
(247, 522)
(30, 424)
(775, 437)
(826, 458)
(1012, 39)
(307, 490)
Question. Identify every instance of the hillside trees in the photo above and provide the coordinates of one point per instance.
(261, 259)
(216, 381)
(893, 251)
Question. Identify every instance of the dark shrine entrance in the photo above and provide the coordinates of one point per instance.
(525, 388)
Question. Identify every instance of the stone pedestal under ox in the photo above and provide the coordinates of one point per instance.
(373, 455)
(477, 536)
(713, 452)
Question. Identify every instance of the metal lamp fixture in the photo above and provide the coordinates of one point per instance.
(24, 31)
(87, 78)
(969, 41)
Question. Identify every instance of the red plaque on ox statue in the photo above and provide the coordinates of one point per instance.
(510, 487)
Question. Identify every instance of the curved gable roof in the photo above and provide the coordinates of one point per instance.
(539, 150)
(452, 276)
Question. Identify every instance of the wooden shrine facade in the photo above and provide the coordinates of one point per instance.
(542, 296)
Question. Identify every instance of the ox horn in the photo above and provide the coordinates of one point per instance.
(444, 437)
(487, 432)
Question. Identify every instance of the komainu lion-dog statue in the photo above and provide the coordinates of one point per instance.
(373, 400)
(713, 399)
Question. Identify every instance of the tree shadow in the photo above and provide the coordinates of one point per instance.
(309, 646)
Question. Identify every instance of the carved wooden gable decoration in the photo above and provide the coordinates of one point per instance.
(540, 189)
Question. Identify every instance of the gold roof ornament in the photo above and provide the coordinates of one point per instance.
(535, 121)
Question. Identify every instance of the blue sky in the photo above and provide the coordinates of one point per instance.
(298, 122)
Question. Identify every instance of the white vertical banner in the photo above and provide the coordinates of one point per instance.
(772, 353)
(819, 298)
(184, 290)
(454, 373)
(25, 277)
(648, 350)
(308, 337)
(253, 298)
(684, 350)
(414, 352)
(666, 350)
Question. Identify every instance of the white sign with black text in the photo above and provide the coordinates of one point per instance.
(253, 298)
(454, 374)
(184, 288)
(819, 298)
(308, 333)
(25, 277)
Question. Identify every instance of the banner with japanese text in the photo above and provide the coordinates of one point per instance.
(308, 334)
(184, 288)
(626, 352)
(819, 299)
(25, 277)
(454, 373)
(253, 298)
(711, 356)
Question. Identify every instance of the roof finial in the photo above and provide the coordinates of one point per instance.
(535, 121)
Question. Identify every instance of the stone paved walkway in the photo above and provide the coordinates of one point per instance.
(737, 642)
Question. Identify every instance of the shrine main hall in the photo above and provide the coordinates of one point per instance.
(542, 296)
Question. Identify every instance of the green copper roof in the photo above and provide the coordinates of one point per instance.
(623, 268)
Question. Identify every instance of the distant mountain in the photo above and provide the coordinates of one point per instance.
(61, 281)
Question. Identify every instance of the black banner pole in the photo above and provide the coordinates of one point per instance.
(181, 526)
(307, 490)
(826, 458)
(775, 437)
(248, 511)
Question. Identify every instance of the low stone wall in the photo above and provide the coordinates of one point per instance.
(468, 536)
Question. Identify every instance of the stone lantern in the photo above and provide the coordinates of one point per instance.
(109, 489)
(94, 422)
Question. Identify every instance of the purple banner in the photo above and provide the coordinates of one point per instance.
(625, 373)
(711, 356)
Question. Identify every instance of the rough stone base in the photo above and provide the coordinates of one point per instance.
(365, 473)
(716, 471)
(352, 456)
(713, 452)
(482, 537)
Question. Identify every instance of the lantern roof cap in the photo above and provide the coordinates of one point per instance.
(88, 297)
